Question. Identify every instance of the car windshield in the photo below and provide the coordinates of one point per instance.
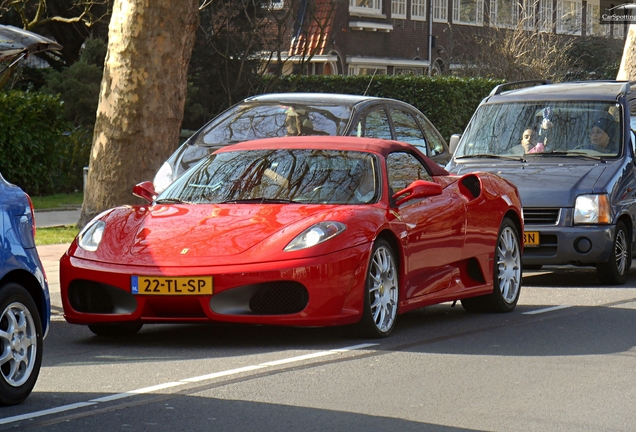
(256, 120)
(279, 176)
(578, 129)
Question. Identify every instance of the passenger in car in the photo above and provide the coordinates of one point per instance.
(603, 135)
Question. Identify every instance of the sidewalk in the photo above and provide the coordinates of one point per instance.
(50, 256)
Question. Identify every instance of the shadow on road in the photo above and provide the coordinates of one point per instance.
(179, 412)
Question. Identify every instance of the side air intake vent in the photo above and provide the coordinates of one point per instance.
(470, 185)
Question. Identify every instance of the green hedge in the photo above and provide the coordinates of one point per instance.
(43, 153)
(39, 150)
(448, 102)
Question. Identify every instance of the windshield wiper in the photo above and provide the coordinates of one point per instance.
(492, 156)
(172, 201)
(260, 201)
(578, 153)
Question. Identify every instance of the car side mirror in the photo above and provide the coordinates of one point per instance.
(417, 189)
(145, 190)
(452, 144)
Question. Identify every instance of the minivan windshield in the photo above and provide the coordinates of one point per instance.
(278, 177)
(572, 128)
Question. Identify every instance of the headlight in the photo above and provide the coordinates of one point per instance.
(163, 178)
(91, 236)
(592, 209)
(315, 234)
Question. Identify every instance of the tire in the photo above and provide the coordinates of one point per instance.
(20, 344)
(616, 269)
(381, 293)
(118, 330)
(506, 274)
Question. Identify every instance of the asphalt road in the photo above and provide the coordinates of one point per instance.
(563, 360)
(51, 218)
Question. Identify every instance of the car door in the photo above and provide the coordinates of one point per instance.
(435, 228)
(630, 172)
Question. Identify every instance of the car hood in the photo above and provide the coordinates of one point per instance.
(192, 235)
(544, 184)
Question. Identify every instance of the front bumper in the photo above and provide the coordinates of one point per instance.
(326, 290)
(565, 243)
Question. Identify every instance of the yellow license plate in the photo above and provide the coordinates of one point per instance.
(531, 238)
(151, 285)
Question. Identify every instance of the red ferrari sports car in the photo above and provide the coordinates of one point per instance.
(299, 231)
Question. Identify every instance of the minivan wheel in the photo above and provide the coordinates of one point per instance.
(20, 344)
(614, 271)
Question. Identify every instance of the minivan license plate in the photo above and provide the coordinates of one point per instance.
(531, 238)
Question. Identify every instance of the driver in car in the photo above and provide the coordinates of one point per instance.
(603, 135)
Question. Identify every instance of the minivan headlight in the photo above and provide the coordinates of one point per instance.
(592, 209)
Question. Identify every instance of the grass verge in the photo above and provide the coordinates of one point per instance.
(58, 201)
(55, 235)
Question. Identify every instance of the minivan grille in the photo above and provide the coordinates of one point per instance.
(541, 216)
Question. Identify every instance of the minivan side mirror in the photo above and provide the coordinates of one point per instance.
(454, 140)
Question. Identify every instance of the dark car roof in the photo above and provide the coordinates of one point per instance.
(581, 90)
(317, 98)
(375, 145)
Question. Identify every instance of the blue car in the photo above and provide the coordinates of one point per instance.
(25, 306)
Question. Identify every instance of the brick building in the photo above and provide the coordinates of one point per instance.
(415, 36)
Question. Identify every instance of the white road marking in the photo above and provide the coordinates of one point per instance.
(46, 412)
(137, 392)
(184, 381)
(549, 309)
(224, 373)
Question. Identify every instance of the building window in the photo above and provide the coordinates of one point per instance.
(468, 12)
(408, 71)
(367, 70)
(418, 10)
(374, 6)
(619, 30)
(593, 24)
(544, 16)
(504, 13)
(274, 4)
(569, 14)
(398, 9)
(440, 10)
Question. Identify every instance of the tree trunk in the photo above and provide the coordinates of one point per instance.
(627, 70)
(141, 99)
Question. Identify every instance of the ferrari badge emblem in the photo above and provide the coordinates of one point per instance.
(184, 251)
